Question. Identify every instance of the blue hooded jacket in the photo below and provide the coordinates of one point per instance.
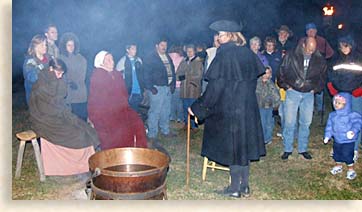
(343, 120)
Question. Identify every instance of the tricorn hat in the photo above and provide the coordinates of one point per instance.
(226, 26)
(285, 28)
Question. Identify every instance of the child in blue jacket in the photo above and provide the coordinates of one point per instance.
(344, 126)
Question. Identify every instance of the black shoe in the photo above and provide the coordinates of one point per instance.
(306, 155)
(245, 191)
(286, 155)
(230, 193)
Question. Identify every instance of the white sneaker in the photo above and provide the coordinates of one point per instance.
(279, 134)
(351, 174)
(335, 170)
(355, 156)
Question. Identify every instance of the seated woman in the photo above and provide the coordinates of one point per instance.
(66, 141)
(117, 125)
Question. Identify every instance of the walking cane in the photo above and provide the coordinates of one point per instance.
(188, 152)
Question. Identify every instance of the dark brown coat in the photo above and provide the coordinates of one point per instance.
(52, 119)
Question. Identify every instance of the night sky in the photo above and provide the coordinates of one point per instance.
(110, 24)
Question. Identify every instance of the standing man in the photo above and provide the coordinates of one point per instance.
(130, 66)
(160, 81)
(284, 42)
(325, 49)
(302, 73)
(51, 33)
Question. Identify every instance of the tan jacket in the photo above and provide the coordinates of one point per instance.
(192, 71)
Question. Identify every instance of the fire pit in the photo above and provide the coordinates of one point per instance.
(128, 173)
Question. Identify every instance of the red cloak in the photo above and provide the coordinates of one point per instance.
(116, 123)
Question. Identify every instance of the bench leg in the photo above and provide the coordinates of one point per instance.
(19, 161)
(204, 169)
(39, 160)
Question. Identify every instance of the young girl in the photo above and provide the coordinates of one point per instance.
(268, 98)
(344, 126)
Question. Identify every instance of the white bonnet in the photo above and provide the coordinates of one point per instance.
(98, 60)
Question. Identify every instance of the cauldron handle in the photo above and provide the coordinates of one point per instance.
(88, 190)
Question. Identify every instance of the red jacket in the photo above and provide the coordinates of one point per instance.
(356, 92)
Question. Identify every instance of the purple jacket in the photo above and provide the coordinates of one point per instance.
(343, 120)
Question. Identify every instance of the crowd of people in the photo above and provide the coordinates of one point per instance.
(237, 92)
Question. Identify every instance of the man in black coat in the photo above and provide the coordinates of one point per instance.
(302, 73)
(160, 82)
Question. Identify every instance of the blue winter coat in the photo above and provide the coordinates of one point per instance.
(343, 120)
(31, 69)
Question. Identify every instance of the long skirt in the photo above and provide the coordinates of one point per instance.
(59, 160)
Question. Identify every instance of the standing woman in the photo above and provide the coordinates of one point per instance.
(346, 79)
(233, 135)
(190, 74)
(36, 60)
(77, 69)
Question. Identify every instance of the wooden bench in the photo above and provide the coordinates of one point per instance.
(24, 137)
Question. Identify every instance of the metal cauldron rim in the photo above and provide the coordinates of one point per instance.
(103, 171)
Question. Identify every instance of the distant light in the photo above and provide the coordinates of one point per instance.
(328, 10)
(340, 26)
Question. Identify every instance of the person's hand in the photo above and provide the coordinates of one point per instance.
(154, 90)
(72, 85)
(350, 134)
(192, 114)
(326, 140)
(190, 111)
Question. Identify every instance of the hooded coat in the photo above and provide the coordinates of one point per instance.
(343, 120)
(76, 69)
(52, 119)
(233, 134)
(346, 80)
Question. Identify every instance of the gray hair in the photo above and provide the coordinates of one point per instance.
(255, 39)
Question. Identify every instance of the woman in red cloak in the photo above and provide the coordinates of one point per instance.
(116, 123)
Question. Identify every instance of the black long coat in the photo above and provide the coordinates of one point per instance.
(233, 133)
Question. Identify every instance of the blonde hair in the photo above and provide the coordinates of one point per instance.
(237, 38)
(36, 40)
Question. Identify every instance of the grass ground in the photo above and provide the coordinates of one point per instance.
(270, 179)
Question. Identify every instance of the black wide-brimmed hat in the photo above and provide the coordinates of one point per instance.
(226, 26)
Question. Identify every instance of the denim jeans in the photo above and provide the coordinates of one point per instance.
(319, 101)
(281, 114)
(176, 106)
(187, 102)
(159, 112)
(80, 109)
(357, 107)
(304, 102)
(267, 122)
(134, 100)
